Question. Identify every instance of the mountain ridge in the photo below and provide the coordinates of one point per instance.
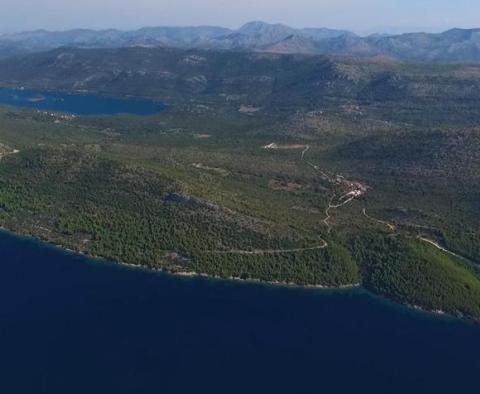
(248, 37)
(452, 46)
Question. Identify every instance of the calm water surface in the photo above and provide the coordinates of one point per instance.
(80, 104)
(69, 324)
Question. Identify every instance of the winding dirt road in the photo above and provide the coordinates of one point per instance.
(307, 148)
(351, 195)
(390, 226)
(271, 251)
(439, 247)
(342, 201)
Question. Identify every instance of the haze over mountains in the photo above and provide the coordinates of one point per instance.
(456, 45)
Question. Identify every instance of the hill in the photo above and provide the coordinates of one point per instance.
(266, 80)
(303, 169)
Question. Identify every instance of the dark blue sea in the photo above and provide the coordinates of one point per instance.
(78, 104)
(73, 325)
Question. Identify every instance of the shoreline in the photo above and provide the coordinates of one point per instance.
(184, 274)
(192, 274)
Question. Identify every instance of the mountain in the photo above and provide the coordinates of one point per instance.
(172, 36)
(456, 45)
(83, 38)
(43, 39)
(292, 44)
(453, 46)
(248, 37)
(264, 33)
(318, 34)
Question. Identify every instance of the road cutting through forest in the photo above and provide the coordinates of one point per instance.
(389, 225)
(350, 196)
(271, 251)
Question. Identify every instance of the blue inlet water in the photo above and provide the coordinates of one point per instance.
(72, 325)
(79, 104)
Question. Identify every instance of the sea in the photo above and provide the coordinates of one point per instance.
(75, 325)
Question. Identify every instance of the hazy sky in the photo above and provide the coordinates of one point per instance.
(358, 15)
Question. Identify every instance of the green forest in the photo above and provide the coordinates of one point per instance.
(364, 181)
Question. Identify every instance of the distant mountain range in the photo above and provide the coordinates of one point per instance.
(456, 45)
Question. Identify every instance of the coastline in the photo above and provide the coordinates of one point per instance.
(185, 274)
(278, 284)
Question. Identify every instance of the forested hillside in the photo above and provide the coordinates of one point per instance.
(283, 168)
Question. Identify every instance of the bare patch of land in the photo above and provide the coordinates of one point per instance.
(248, 109)
(201, 136)
(217, 170)
(278, 184)
(275, 146)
